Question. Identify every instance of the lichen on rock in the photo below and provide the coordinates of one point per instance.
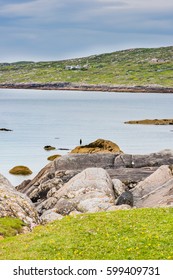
(20, 170)
(98, 146)
(51, 158)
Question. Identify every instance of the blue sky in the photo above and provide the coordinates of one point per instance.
(58, 29)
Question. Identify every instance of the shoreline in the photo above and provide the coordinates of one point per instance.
(87, 87)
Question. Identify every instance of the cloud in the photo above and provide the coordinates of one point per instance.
(52, 29)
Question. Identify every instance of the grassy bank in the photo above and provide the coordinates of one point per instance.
(139, 67)
(128, 234)
(10, 227)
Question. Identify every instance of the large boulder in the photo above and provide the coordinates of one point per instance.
(98, 146)
(156, 190)
(89, 191)
(15, 204)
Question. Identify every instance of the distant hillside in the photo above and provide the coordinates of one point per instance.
(133, 67)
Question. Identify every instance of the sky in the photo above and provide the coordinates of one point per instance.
(41, 30)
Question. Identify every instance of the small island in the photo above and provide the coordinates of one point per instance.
(153, 122)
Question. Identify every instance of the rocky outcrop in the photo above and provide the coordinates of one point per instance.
(130, 169)
(16, 204)
(154, 122)
(89, 191)
(78, 183)
(98, 146)
(156, 190)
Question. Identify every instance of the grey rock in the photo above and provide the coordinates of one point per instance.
(150, 160)
(44, 174)
(131, 176)
(16, 204)
(94, 204)
(83, 161)
(160, 197)
(50, 215)
(156, 190)
(118, 187)
(46, 205)
(89, 191)
(45, 189)
(125, 198)
(64, 207)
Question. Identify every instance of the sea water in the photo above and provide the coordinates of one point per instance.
(61, 118)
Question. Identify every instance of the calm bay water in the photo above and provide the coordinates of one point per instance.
(62, 118)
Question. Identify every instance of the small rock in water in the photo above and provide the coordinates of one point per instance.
(5, 129)
(20, 170)
(49, 148)
(63, 149)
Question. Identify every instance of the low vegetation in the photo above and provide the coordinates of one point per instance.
(124, 234)
(139, 67)
(10, 227)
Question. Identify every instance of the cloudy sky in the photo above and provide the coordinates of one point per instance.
(58, 29)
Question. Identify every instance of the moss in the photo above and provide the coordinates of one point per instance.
(53, 157)
(20, 170)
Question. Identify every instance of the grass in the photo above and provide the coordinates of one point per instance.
(124, 234)
(10, 226)
(140, 67)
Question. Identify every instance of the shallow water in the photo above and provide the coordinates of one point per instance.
(62, 118)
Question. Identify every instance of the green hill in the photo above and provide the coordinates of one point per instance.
(124, 234)
(133, 67)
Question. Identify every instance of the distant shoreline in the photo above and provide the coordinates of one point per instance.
(87, 87)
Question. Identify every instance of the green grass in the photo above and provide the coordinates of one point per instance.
(128, 67)
(129, 234)
(10, 226)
